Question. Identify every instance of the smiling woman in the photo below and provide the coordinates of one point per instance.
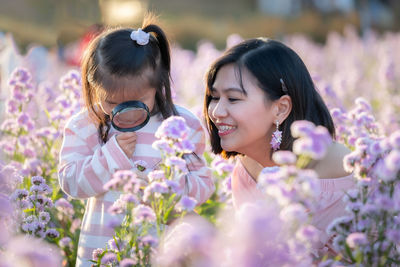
(255, 91)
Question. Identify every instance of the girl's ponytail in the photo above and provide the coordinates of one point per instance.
(165, 103)
(163, 44)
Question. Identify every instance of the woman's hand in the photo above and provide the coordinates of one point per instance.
(127, 141)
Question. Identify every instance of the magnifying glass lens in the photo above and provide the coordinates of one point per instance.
(130, 116)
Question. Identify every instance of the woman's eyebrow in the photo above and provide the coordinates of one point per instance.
(227, 90)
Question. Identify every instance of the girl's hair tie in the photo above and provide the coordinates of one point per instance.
(141, 37)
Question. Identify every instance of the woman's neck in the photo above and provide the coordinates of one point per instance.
(254, 167)
(261, 156)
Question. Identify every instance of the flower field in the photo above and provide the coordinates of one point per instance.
(155, 223)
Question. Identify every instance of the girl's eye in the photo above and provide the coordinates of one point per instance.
(233, 99)
(214, 98)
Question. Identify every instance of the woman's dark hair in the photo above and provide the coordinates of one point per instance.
(270, 61)
(112, 56)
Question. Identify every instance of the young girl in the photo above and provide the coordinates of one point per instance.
(254, 88)
(121, 65)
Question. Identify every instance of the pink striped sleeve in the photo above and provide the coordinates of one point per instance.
(198, 183)
(86, 165)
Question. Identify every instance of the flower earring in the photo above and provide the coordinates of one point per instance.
(276, 137)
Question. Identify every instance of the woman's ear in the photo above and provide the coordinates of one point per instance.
(283, 107)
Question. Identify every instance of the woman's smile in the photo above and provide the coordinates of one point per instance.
(225, 129)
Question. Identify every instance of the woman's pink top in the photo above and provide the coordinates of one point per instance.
(244, 189)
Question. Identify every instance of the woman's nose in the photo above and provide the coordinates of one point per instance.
(219, 110)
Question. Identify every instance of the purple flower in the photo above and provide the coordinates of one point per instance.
(394, 139)
(224, 167)
(381, 171)
(177, 163)
(112, 245)
(37, 189)
(228, 184)
(148, 240)
(157, 187)
(113, 184)
(12, 106)
(301, 128)
(163, 146)
(64, 206)
(97, 253)
(156, 175)
(294, 213)
(19, 194)
(313, 144)
(363, 104)
(25, 119)
(109, 258)
(356, 240)
(392, 161)
(52, 233)
(117, 207)
(130, 198)
(174, 128)
(187, 241)
(33, 251)
(38, 180)
(124, 175)
(5, 206)
(308, 233)
(186, 203)
(338, 224)
(393, 235)
(144, 213)
(19, 75)
(174, 186)
(184, 146)
(44, 217)
(113, 223)
(128, 262)
(65, 242)
(284, 157)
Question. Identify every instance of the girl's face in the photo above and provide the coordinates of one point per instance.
(245, 122)
(131, 91)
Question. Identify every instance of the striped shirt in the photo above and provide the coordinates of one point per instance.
(86, 165)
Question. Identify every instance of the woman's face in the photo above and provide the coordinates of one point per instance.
(244, 121)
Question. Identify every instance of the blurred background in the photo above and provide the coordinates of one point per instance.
(61, 22)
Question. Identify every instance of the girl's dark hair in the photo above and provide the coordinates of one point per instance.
(112, 56)
(270, 61)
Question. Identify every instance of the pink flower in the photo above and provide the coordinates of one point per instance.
(356, 240)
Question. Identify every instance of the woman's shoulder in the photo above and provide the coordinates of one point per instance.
(331, 166)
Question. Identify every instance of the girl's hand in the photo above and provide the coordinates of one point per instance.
(127, 141)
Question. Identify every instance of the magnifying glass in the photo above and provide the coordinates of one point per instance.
(130, 116)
